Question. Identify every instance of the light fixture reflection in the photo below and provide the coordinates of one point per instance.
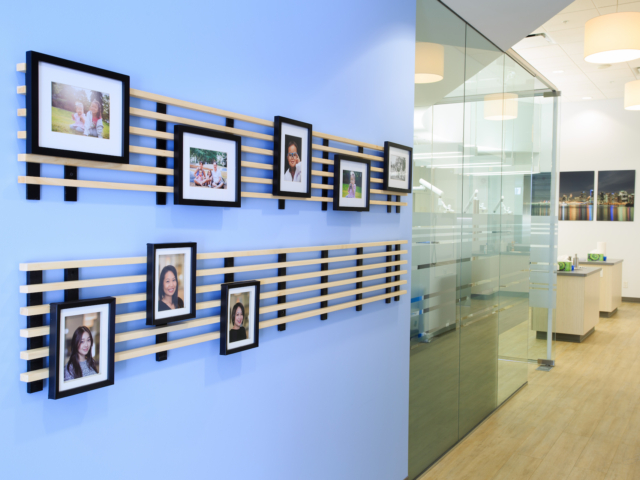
(632, 95)
(501, 106)
(429, 62)
(612, 38)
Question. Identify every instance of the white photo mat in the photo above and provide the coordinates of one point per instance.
(102, 375)
(50, 73)
(186, 251)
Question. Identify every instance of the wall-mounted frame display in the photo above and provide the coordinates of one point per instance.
(76, 111)
(398, 167)
(81, 346)
(575, 201)
(616, 195)
(171, 282)
(292, 158)
(206, 167)
(239, 316)
(351, 183)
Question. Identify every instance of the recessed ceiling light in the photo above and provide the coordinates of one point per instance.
(586, 98)
(558, 71)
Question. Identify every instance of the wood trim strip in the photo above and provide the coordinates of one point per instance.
(72, 162)
(206, 337)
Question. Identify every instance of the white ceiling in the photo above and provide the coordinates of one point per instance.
(506, 22)
(562, 51)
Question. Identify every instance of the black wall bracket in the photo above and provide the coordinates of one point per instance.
(70, 193)
(161, 162)
(397, 277)
(359, 251)
(33, 191)
(33, 299)
(325, 180)
(282, 258)
(388, 279)
(324, 279)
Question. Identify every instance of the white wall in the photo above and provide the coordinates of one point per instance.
(601, 135)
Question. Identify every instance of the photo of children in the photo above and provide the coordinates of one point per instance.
(79, 111)
(81, 346)
(207, 168)
(351, 184)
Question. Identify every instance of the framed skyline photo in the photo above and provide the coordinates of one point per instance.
(81, 346)
(171, 282)
(239, 316)
(616, 195)
(76, 111)
(398, 168)
(351, 184)
(292, 158)
(206, 168)
(575, 201)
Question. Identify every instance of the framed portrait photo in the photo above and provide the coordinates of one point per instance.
(351, 184)
(292, 158)
(239, 316)
(398, 167)
(206, 167)
(171, 282)
(81, 346)
(76, 111)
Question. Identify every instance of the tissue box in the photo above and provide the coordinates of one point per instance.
(564, 266)
(595, 257)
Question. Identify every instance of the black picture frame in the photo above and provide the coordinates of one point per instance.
(152, 297)
(278, 150)
(33, 108)
(337, 162)
(387, 168)
(178, 167)
(224, 316)
(56, 356)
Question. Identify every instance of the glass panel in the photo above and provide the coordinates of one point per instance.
(517, 160)
(434, 367)
(480, 248)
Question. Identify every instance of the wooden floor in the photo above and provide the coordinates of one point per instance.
(580, 421)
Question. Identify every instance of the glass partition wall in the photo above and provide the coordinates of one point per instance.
(477, 150)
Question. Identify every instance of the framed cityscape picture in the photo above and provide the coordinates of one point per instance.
(576, 196)
(76, 111)
(398, 168)
(351, 187)
(171, 282)
(81, 346)
(616, 195)
(239, 316)
(206, 167)
(292, 158)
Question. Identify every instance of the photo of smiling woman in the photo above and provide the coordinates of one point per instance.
(239, 316)
(237, 330)
(81, 363)
(168, 298)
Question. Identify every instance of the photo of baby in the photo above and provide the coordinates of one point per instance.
(351, 184)
(79, 111)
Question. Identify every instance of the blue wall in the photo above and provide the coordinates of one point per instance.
(323, 400)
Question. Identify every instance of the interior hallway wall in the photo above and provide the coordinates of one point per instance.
(601, 135)
(322, 400)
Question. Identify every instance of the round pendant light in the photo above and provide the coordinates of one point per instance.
(429, 62)
(501, 106)
(632, 95)
(612, 38)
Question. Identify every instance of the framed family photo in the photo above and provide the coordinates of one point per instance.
(81, 346)
(398, 168)
(292, 158)
(239, 316)
(206, 167)
(351, 190)
(171, 282)
(76, 111)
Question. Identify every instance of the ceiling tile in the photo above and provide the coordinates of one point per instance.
(630, 7)
(532, 42)
(567, 36)
(579, 5)
(550, 64)
(621, 2)
(607, 10)
(576, 48)
(549, 51)
(616, 92)
(604, 3)
(611, 76)
(566, 21)
(565, 72)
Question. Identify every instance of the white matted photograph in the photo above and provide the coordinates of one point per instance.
(239, 316)
(170, 282)
(351, 184)
(292, 158)
(81, 346)
(397, 167)
(76, 110)
(207, 168)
